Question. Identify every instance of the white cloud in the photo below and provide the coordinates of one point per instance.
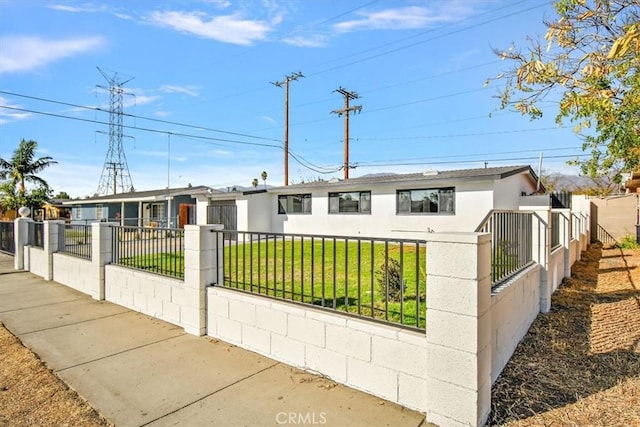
(187, 90)
(7, 115)
(314, 40)
(87, 8)
(220, 4)
(229, 28)
(268, 119)
(24, 53)
(410, 17)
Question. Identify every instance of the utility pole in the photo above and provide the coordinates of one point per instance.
(346, 110)
(285, 82)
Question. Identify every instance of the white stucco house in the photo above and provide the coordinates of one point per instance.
(393, 205)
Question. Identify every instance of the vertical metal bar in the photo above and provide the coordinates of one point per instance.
(301, 268)
(236, 245)
(284, 275)
(323, 271)
(359, 276)
(418, 289)
(346, 274)
(244, 260)
(371, 278)
(259, 264)
(402, 282)
(335, 302)
(266, 264)
(386, 285)
(313, 268)
(293, 276)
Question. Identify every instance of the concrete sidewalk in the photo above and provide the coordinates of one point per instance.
(138, 371)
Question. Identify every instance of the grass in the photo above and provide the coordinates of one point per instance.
(168, 264)
(331, 273)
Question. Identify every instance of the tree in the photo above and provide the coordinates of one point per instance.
(263, 175)
(592, 64)
(254, 182)
(62, 195)
(20, 169)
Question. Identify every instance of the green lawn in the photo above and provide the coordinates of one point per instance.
(334, 274)
(337, 275)
(167, 264)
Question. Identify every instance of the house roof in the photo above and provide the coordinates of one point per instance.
(143, 196)
(493, 173)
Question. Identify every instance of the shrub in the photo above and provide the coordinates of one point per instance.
(629, 242)
(390, 272)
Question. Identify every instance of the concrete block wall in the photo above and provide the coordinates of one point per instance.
(77, 273)
(386, 361)
(36, 261)
(514, 306)
(151, 294)
(458, 328)
(556, 269)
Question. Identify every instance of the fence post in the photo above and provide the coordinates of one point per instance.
(565, 238)
(50, 244)
(101, 254)
(458, 328)
(21, 236)
(200, 271)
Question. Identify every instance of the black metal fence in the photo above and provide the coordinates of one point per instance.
(511, 242)
(7, 237)
(36, 234)
(156, 250)
(75, 240)
(376, 278)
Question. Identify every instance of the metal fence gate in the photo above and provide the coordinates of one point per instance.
(7, 242)
(226, 215)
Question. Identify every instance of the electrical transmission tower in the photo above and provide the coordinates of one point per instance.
(115, 172)
(285, 83)
(346, 110)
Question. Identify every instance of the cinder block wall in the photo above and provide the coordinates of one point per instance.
(383, 360)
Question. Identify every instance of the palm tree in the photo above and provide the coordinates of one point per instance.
(23, 166)
(263, 175)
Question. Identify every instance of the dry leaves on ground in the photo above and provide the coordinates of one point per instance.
(579, 365)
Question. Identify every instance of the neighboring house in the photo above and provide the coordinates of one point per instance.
(394, 205)
(156, 208)
(53, 209)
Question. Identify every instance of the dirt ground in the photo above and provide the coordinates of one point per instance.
(31, 395)
(579, 365)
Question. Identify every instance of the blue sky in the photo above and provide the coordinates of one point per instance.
(419, 67)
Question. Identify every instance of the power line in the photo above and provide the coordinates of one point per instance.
(472, 161)
(198, 127)
(163, 132)
(428, 40)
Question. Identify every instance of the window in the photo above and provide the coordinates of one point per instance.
(351, 202)
(294, 204)
(99, 208)
(157, 211)
(426, 201)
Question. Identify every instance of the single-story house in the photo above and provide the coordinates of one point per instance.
(172, 207)
(390, 205)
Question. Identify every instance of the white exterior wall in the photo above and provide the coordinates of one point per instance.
(473, 202)
(77, 273)
(514, 306)
(259, 212)
(151, 294)
(383, 360)
(242, 214)
(506, 192)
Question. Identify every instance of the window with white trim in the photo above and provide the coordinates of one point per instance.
(294, 204)
(350, 202)
(438, 201)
